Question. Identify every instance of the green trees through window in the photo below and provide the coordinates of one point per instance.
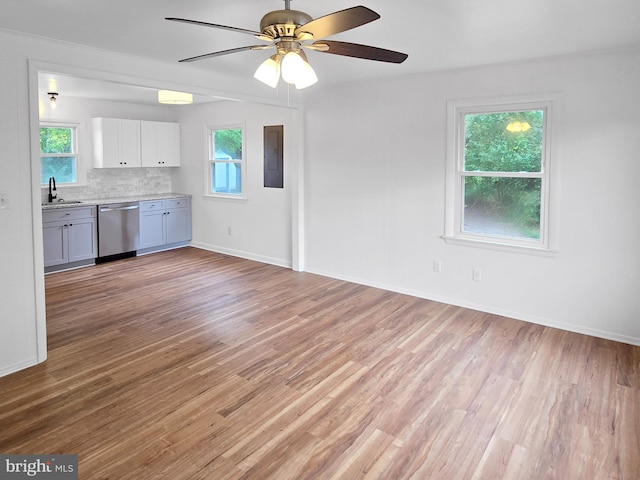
(58, 156)
(228, 144)
(226, 161)
(502, 173)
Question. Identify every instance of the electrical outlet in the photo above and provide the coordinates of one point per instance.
(477, 275)
(228, 230)
(4, 200)
(437, 266)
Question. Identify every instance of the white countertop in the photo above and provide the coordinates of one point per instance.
(105, 201)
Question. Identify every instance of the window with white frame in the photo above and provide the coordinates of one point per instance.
(498, 173)
(226, 164)
(58, 153)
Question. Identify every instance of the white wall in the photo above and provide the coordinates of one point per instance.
(261, 226)
(375, 158)
(18, 347)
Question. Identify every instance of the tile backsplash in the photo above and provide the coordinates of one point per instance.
(115, 182)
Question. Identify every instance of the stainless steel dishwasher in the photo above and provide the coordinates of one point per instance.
(118, 230)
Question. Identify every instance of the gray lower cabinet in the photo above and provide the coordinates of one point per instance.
(164, 224)
(70, 237)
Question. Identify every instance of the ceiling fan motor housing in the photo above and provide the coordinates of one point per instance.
(283, 23)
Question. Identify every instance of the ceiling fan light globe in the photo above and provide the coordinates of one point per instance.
(307, 77)
(292, 67)
(269, 71)
(517, 127)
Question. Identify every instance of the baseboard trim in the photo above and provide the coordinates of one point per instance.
(241, 254)
(569, 327)
(162, 248)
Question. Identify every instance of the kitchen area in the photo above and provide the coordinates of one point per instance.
(84, 232)
(120, 201)
(131, 148)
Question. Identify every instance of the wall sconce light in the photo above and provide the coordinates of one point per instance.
(53, 97)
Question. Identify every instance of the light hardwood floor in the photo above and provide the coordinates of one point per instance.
(192, 365)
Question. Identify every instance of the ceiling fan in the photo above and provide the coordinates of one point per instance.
(289, 31)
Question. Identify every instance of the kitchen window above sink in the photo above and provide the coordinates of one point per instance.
(58, 153)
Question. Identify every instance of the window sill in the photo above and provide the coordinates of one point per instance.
(226, 198)
(500, 246)
(65, 185)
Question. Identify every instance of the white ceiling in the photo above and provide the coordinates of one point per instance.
(437, 34)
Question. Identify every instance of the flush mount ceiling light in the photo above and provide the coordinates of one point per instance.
(515, 127)
(169, 97)
(53, 97)
(288, 31)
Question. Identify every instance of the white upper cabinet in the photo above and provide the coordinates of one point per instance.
(120, 143)
(116, 143)
(160, 144)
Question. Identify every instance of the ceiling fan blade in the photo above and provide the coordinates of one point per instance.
(359, 51)
(336, 22)
(223, 27)
(226, 52)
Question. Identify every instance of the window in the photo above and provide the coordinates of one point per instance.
(58, 154)
(226, 162)
(498, 174)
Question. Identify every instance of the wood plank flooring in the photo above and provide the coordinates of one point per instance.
(193, 365)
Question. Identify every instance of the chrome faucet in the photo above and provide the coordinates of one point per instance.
(51, 190)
